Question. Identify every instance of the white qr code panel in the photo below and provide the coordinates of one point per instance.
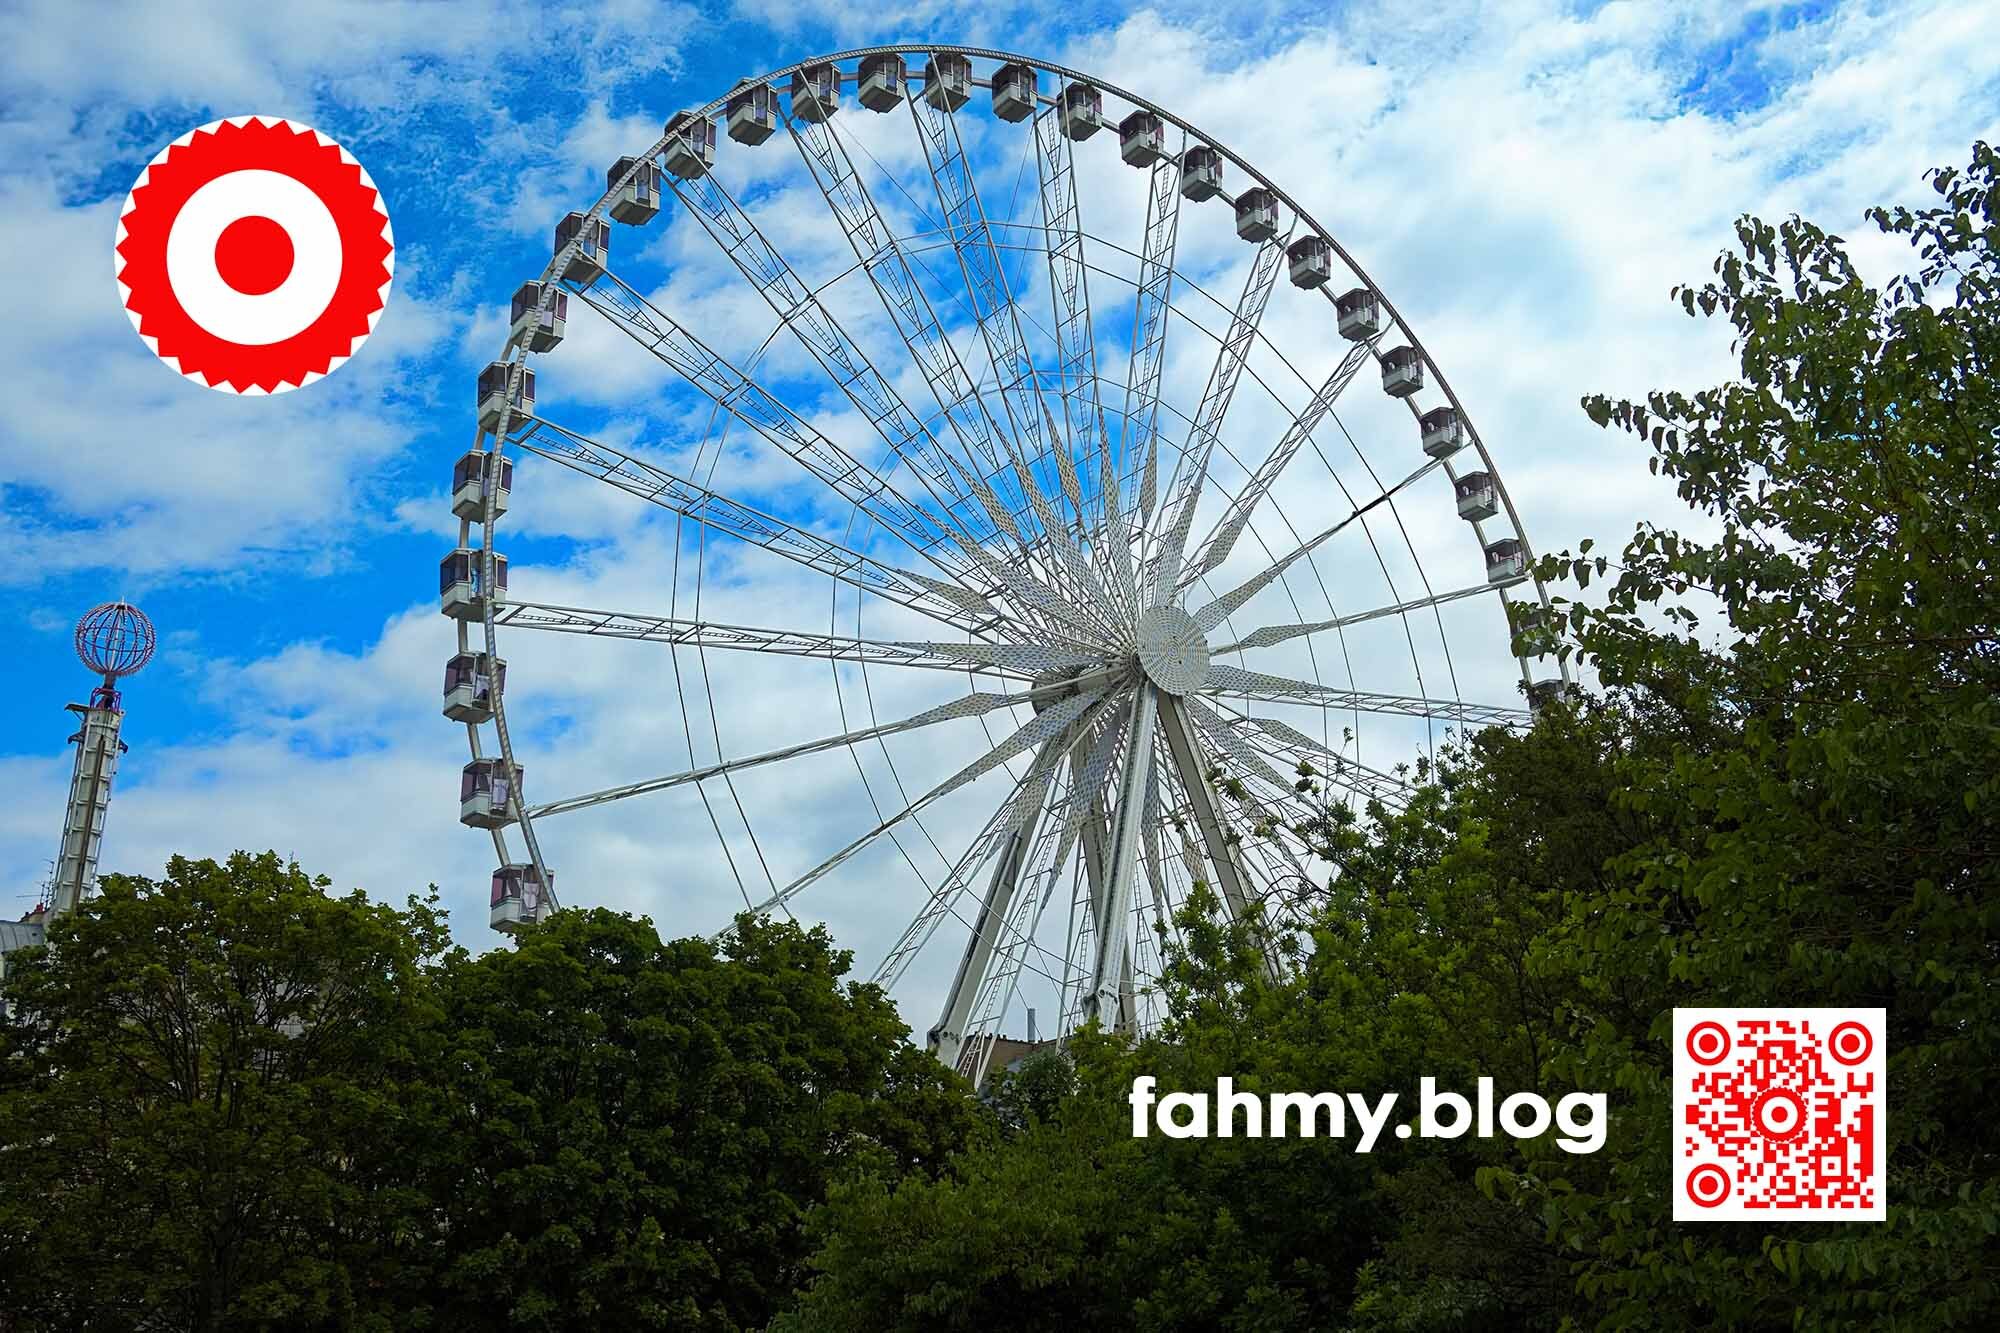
(1779, 1115)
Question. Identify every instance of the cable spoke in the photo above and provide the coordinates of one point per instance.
(1236, 683)
(1208, 617)
(1056, 721)
(1275, 634)
(1222, 538)
(1339, 769)
(971, 705)
(946, 602)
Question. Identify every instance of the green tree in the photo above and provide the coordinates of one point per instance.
(1838, 845)
(1797, 809)
(640, 1126)
(197, 1085)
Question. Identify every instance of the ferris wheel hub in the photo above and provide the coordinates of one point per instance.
(1173, 652)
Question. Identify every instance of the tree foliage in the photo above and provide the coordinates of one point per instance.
(1785, 794)
(196, 1100)
(639, 1126)
(234, 1102)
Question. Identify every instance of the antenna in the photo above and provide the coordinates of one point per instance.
(115, 640)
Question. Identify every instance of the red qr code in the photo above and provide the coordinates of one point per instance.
(1779, 1115)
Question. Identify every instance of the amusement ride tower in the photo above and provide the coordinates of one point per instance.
(114, 640)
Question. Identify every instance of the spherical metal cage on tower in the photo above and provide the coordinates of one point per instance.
(1042, 398)
(115, 639)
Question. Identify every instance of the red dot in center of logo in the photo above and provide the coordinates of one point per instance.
(253, 255)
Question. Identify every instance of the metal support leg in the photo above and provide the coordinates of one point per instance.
(1231, 881)
(1104, 1001)
(948, 1037)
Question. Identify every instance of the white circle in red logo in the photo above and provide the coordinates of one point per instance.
(1708, 1185)
(1851, 1043)
(1707, 1043)
(254, 255)
(1779, 1114)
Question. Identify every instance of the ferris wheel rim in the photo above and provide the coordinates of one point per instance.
(514, 355)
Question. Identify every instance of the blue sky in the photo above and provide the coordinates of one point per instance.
(1525, 180)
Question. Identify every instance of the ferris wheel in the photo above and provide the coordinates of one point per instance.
(1049, 417)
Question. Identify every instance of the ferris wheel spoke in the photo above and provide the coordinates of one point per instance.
(971, 236)
(1076, 350)
(1276, 634)
(1235, 683)
(998, 317)
(1213, 614)
(1076, 353)
(1163, 567)
(1059, 718)
(800, 309)
(937, 536)
(1164, 574)
(888, 269)
(1222, 538)
(945, 602)
(971, 705)
(1139, 440)
(1344, 771)
(683, 633)
(1025, 657)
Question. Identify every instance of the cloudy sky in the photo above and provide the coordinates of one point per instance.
(1524, 180)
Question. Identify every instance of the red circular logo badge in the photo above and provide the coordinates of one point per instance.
(1851, 1043)
(254, 255)
(1707, 1043)
(1708, 1185)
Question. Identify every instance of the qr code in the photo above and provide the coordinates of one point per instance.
(1779, 1115)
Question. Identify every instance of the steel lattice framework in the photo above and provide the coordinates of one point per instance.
(1029, 489)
